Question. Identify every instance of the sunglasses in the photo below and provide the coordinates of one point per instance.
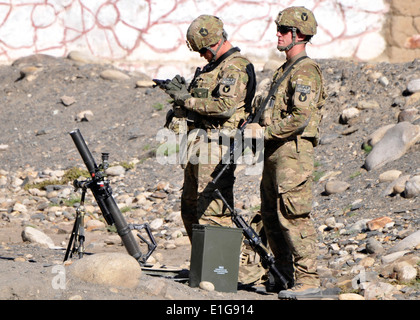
(202, 51)
(283, 29)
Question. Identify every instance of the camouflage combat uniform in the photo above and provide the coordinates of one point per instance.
(286, 186)
(221, 93)
(291, 122)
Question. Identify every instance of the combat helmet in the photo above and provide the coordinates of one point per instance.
(205, 31)
(297, 18)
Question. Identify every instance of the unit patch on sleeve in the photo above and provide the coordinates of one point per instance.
(228, 81)
(302, 94)
(227, 86)
(303, 88)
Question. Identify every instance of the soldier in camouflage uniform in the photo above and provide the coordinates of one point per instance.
(219, 97)
(290, 122)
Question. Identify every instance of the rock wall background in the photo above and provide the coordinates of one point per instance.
(149, 35)
(402, 30)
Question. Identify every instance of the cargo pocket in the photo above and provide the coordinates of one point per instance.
(298, 200)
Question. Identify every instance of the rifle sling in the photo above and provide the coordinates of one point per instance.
(274, 89)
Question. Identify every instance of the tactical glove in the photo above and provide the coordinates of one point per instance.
(177, 90)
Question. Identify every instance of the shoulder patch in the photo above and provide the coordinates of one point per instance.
(303, 88)
(228, 81)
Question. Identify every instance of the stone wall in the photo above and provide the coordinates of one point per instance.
(402, 30)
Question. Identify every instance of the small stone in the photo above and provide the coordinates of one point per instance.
(393, 256)
(67, 101)
(348, 114)
(37, 236)
(373, 246)
(80, 57)
(86, 115)
(145, 84)
(383, 81)
(413, 85)
(330, 222)
(169, 244)
(364, 105)
(412, 187)
(378, 223)
(389, 175)
(20, 207)
(19, 259)
(115, 171)
(94, 224)
(336, 186)
(156, 224)
(350, 296)
(405, 272)
(366, 262)
(111, 74)
(206, 285)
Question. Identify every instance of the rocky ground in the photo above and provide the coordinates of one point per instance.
(368, 220)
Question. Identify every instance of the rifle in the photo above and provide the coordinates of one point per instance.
(160, 83)
(176, 111)
(251, 236)
(102, 193)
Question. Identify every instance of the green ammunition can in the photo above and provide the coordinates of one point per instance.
(215, 257)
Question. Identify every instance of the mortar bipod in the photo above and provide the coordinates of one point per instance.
(151, 243)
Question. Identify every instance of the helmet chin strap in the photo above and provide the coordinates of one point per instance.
(293, 43)
(214, 52)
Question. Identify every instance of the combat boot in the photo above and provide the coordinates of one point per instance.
(301, 291)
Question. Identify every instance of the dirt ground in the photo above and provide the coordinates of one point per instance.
(124, 121)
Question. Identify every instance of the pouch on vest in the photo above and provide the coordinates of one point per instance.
(176, 120)
(200, 92)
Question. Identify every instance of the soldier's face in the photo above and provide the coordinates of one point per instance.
(284, 37)
(206, 54)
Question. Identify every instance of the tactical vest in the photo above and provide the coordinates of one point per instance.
(281, 106)
(210, 83)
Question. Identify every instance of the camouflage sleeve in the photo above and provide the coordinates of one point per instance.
(302, 94)
(229, 93)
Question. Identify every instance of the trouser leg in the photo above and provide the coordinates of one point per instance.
(291, 235)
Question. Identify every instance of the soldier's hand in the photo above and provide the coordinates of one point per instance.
(253, 131)
(177, 90)
(176, 83)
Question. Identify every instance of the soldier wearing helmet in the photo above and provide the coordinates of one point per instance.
(290, 124)
(206, 33)
(219, 97)
(296, 19)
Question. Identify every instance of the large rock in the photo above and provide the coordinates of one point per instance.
(377, 135)
(393, 145)
(112, 269)
(409, 242)
(412, 187)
